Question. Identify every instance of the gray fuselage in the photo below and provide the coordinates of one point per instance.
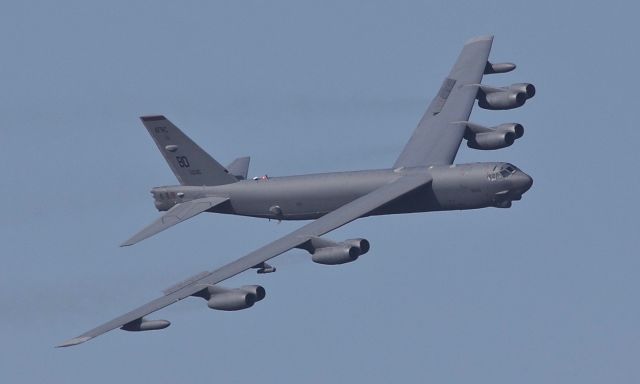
(306, 197)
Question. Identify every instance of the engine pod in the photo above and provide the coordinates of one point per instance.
(143, 324)
(491, 140)
(231, 300)
(336, 255)
(501, 100)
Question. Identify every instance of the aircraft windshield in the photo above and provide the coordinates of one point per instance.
(504, 171)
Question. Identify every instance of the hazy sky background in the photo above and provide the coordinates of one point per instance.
(544, 292)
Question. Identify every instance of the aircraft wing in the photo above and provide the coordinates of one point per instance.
(177, 214)
(438, 136)
(335, 219)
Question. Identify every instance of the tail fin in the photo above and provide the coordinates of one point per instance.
(190, 164)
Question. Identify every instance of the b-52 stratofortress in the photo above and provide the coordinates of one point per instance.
(423, 179)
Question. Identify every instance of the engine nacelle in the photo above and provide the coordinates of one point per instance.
(340, 254)
(491, 140)
(328, 252)
(501, 100)
(235, 299)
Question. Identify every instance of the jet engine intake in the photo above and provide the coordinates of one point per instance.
(257, 290)
(526, 88)
(362, 245)
(515, 128)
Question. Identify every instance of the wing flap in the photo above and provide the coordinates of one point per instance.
(175, 215)
(341, 216)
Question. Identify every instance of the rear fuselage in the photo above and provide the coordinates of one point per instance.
(455, 187)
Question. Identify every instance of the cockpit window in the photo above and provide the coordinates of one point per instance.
(504, 171)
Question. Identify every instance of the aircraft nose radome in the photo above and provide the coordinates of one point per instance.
(526, 181)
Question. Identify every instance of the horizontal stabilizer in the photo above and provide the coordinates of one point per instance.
(239, 167)
(175, 215)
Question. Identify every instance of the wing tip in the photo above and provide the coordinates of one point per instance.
(74, 341)
(135, 239)
(479, 39)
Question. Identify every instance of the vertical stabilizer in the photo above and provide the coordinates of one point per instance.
(190, 164)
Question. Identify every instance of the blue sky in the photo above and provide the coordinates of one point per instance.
(543, 292)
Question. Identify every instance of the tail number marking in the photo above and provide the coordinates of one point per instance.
(183, 162)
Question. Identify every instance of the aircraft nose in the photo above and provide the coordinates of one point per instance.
(525, 181)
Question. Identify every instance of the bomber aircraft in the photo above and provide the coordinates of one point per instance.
(422, 179)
